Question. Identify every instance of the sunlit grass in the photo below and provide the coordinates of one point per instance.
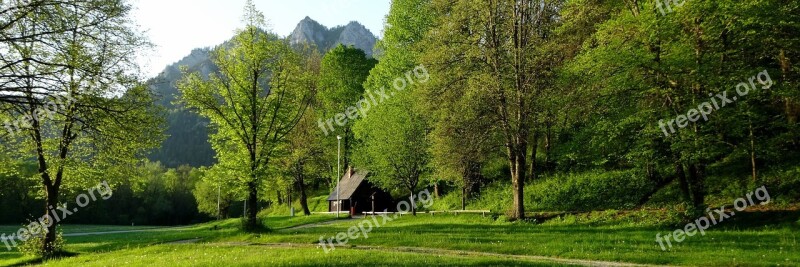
(735, 243)
(222, 255)
(726, 245)
(77, 228)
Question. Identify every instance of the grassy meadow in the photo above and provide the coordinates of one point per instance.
(449, 240)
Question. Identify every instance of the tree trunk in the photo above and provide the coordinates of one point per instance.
(682, 181)
(302, 188)
(753, 154)
(517, 163)
(697, 184)
(51, 203)
(476, 180)
(289, 197)
(413, 203)
(252, 209)
(464, 197)
(534, 148)
(547, 145)
(52, 187)
(224, 210)
(791, 107)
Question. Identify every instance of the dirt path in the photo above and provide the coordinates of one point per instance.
(320, 224)
(412, 250)
(450, 252)
(178, 228)
(185, 241)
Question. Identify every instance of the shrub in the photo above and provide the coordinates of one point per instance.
(597, 190)
(496, 197)
(315, 204)
(451, 201)
(589, 191)
(783, 186)
(33, 245)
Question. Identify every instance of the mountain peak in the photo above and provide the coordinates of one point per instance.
(354, 33)
(307, 20)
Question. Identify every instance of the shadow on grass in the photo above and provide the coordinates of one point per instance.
(40, 260)
(731, 229)
(761, 219)
(746, 220)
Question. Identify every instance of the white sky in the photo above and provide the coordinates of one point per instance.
(178, 26)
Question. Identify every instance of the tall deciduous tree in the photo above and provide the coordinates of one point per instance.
(647, 69)
(342, 75)
(254, 101)
(462, 139)
(75, 94)
(395, 134)
(303, 159)
(498, 44)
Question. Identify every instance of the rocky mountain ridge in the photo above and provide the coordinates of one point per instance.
(187, 141)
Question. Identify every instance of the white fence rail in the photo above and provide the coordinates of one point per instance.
(432, 213)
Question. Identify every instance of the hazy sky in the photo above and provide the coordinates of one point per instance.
(178, 26)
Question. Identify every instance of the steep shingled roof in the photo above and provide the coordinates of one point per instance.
(349, 183)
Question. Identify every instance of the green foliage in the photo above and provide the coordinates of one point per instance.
(495, 64)
(585, 191)
(635, 67)
(495, 197)
(33, 245)
(253, 102)
(615, 218)
(395, 146)
(211, 193)
(589, 191)
(451, 201)
(70, 70)
(315, 204)
(782, 184)
(343, 72)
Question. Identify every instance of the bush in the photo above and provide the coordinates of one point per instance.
(663, 218)
(597, 190)
(33, 245)
(496, 197)
(315, 204)
(451, 201)
(783, 186)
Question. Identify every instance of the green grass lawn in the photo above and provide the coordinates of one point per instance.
(282, 222)
(736, 243)
(77, 228)
(103, 243)
(225, 255)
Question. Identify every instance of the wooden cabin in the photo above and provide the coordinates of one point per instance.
(358, 194)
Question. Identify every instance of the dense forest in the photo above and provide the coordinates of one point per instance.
(512, 106)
